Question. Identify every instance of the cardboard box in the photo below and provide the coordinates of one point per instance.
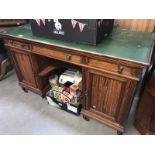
(89, 31)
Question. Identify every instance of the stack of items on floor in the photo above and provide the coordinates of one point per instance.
(65, 91)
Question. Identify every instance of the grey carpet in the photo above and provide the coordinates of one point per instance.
(27, 113)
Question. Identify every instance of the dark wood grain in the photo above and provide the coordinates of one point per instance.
(109, 96)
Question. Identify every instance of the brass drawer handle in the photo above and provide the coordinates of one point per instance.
(68, 57)
(120, 69)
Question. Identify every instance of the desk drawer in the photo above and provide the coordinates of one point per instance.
(57, 54)
(16, 44)
(115, 67)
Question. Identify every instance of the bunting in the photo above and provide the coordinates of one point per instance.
(99, 23)
(81, 25)
(74, 22)
(39, 21)
(43, 21)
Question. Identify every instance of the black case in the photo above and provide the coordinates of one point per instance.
(64, 106)
(89, 31)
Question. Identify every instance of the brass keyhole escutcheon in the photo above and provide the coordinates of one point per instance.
(68, 57)
(120, 69)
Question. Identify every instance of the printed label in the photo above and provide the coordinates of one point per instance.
(58, 27)
(71, 108)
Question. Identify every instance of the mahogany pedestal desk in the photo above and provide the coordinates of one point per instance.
(110, 71)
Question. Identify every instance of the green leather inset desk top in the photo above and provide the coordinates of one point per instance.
(122, 44)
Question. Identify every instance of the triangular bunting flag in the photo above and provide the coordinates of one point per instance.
(81, 26)
(37, 21)
(99, 23)
(74, 22)
(43, 21)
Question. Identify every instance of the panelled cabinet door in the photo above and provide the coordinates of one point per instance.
(105, 94)
(23, 66)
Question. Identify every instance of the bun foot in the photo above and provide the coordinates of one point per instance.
(119, 133)
(25, 90)
(86, 118)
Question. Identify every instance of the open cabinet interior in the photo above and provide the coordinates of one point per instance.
(61, 81)
(48, 66)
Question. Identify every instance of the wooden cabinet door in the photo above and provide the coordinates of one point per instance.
(108, 95)
(24, 68)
